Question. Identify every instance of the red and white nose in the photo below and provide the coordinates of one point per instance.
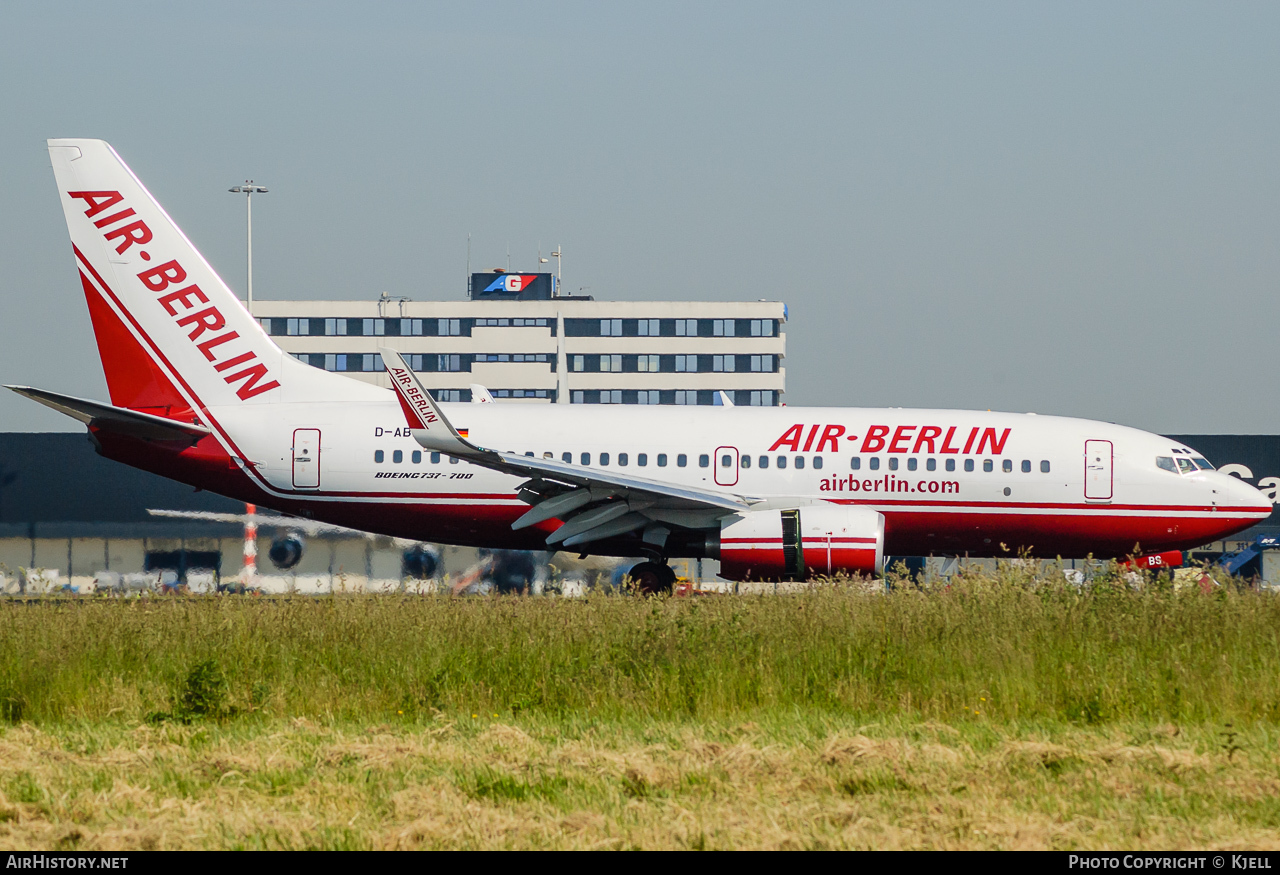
(1235, 495)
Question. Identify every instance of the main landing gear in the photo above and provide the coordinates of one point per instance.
(652, 578)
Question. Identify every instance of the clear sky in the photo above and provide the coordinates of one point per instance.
(1068, 208)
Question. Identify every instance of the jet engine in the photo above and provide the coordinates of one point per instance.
(803, 543)
(421, 562)
(286, 551)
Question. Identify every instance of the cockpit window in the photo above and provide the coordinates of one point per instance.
(1203, 464)
(1185, 465)
(1166, 462)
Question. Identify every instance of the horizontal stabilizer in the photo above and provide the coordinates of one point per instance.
(95, 414)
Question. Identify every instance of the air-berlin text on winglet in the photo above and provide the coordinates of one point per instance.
(162, 276)
(902, 439)
(410, 392)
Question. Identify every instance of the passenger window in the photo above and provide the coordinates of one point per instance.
(1166, 463)
(642, 459)
(893, 463)
(1044, 466)
(435, 458)
(817, 463)
(951, 464)
(682, 460)
(726, 461)
(799, 462)
(1026, 466)
(968, 464)
(567, 458)
(764, 461)
(585, 459)
(874, 463)
(1007, 465)
(704, 461)
(417, 457)
(746, 461)
(622, 458)
(453, 460)
(397, 456)
(1203, 464)
(604, 459)
(1186, 466)
(782, 461)
(931, 464)
(855, 464)
(378, 456)
(662, 460)
(911, 463)
(988, 465)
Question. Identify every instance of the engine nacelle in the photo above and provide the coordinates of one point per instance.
(798, 544)
(286, 551)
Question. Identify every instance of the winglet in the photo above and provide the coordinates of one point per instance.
(480, 395)
(426, 423)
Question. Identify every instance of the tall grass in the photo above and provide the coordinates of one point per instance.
(1007, 646)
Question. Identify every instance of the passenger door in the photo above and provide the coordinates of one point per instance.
(306, 458)
(1097, 470)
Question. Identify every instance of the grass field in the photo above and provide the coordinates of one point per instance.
(1001, 711)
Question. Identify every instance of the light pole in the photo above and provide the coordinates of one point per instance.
(556, 255)
(248, 189)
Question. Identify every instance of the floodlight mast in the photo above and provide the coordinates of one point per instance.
(248, 189)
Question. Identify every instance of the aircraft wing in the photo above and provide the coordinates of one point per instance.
(594, 504)
(119, 419)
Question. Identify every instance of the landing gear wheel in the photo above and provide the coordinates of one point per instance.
(650, 578)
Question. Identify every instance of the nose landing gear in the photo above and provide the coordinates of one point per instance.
(653, 578)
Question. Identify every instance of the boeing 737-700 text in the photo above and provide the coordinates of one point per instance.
(201, 394)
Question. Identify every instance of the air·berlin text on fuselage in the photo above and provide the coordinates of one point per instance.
(902, 439)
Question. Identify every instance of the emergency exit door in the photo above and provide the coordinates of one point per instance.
(726, 466)
(306, 458)
(1097, 470)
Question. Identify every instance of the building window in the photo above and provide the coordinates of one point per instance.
(648, 396)
(687, 363)
(447, 327)
(647, 364)
(611, 364)
(447, 394)
(762, 364)
(762, 328)
(335, 327)
(686, 328)
(371, 361)
(686, 396)
(761, 398)
(578, 398)
(410, 327)
(335, 361)
(579, 363)
(610, 396)
(373, 327)
(648, 328)
(722, 363)
(446, 362)
(297, 327)
(722, 327)
(610, 327)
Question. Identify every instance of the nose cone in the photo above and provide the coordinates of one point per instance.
(1242, 497)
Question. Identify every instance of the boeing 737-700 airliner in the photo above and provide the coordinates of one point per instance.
(201, 394)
